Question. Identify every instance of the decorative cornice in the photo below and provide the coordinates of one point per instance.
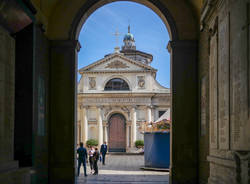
(208, 13)
(124, 71)
(86, 68)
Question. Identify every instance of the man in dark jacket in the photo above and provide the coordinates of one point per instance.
(96, 156)
(82, 158)
(103, 151)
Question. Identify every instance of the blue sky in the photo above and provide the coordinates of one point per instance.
(149, 31)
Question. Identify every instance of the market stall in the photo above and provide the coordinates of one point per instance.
(157, 142)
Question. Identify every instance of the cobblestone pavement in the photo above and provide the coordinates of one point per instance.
(124, 169)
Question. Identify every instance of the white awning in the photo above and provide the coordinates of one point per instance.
(166, 116)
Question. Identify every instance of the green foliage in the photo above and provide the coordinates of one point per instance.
(139, 143)
(91, 142)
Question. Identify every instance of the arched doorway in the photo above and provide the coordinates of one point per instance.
(117, 133)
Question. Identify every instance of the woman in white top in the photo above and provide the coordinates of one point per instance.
(91, 159)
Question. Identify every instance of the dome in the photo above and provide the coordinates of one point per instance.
(128, 36)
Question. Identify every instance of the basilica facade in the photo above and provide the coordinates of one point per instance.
(116, 94)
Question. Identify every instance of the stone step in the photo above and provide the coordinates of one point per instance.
(123, 153)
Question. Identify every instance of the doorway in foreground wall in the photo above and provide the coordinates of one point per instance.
(123, 86)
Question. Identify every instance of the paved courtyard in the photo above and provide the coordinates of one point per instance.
(124, 169)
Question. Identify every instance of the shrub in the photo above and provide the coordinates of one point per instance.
(139, 143)
(91, 142)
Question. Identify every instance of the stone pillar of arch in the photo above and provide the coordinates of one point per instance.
(100, 126)
(183, 141)
(63, 127)
(84, 124)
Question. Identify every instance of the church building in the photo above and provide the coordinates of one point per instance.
(116, 94)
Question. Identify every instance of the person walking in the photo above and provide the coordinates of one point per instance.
(96, 156)
(91, 158)
(103, 151)
(82, 158)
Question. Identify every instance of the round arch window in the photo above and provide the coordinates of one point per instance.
(116, 84)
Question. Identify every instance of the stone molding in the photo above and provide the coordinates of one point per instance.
(116, 64)
(117, 72)
(221, 161)
(208, 13)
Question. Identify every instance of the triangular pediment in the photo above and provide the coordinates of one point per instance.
(116, 62)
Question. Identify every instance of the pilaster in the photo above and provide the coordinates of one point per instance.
(184, 112)
(62, 140)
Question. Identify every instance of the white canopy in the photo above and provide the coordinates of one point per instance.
(166, 116)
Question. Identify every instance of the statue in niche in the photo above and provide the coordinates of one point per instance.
(141, 81)
(92, 82)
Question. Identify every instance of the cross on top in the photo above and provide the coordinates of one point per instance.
(116, 34)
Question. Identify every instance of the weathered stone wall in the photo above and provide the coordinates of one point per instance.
(7, 80)
(9, 171)
(225, 39)
(32, 101)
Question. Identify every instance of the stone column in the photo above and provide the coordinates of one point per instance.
(184, 88)
(100, 127)
(149, 114)
(84, 124)
(106, 133)
(133, 126)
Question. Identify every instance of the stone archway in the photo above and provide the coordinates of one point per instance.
(117, 133)
(184, 83)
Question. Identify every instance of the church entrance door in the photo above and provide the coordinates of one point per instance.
(117, 133)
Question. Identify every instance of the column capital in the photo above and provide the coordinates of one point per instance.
(181, 44)
(84, 106)
(150, 106)
(134, 106)
(100, 107)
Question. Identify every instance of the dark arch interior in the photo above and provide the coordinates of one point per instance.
(117, 84)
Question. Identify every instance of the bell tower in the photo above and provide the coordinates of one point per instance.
(129, 41)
